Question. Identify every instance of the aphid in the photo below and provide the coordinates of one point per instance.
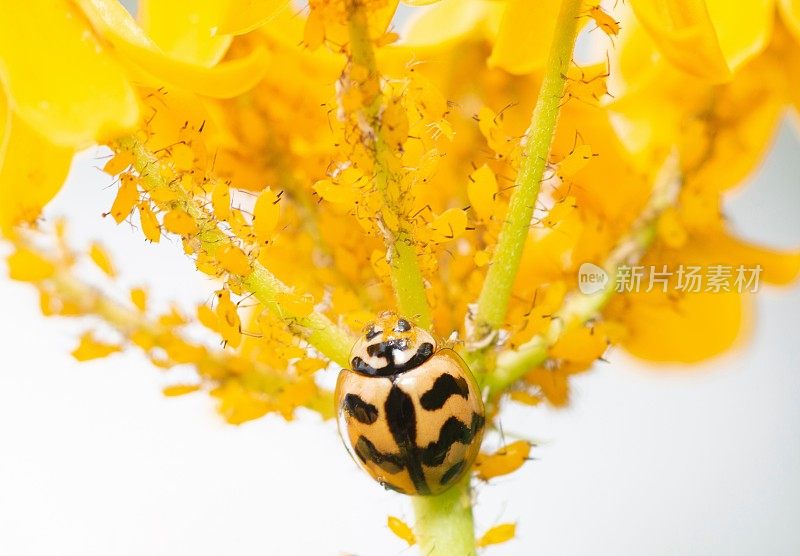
(409, 412)
(604, 21)
(504, 461)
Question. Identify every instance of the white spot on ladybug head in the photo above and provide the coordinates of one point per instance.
(391, 341)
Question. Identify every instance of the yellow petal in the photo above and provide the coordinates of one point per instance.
(688, 329)
(790, 10)
(67, 87)
(743, 28)
(32, 170)
(241, 16)
(526, 32)
(684, 33)
(450, 21)
(186, 31)
(225, 80)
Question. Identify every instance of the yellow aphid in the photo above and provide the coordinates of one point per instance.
(670, 229)
(309, 365)
(179, 222)
(401, 529)
(90, 348)
(150, 226)
(182, 156)
(604, 21)
(587, 84)
(560, 212)
(386, 38)
(139, 298)
(336, 194)
(118, 163)
(180, 389)
(240, 226)
(163, 196)
(233, 260)
(523, 397)
(504, 461)
(295, 305)
(481, 191)
(575, 161)
(208, 318)
(580, 343)
(482, 258)
(314, 30)
(266, 214)
(449, 225)
(394, 121)
(230, 327)
(127, 196)
(237, 404)
(221, 200)
(497, 535)
(489, 126)
(27, 266)
(181, 352)
(173, 318)
(143, 339)
(100, 257)
(442, 128)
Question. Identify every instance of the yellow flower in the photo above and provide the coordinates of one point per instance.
(80, 86)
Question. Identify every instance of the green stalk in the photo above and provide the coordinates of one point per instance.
(444, 524)
(496, 291)
(315, 328)
(512, 365)
(406, 274)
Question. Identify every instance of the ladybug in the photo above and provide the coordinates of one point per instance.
(409, 412)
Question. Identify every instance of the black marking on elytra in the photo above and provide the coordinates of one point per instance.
(452, 431)
(372, 332)
(452, 473)
(445, 386)
(402, 326)
(385, 350)
(366, 451)
(402, 421)
(363, 412)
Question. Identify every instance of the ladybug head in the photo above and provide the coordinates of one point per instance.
(391, 345)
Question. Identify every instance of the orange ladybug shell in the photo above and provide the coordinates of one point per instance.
(410, 414)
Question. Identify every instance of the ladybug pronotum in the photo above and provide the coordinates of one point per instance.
(409, 412)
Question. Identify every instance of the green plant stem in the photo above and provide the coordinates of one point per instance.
(496, 290)
(444, 525)
(511, 365)
(315, 328)
(407, 279)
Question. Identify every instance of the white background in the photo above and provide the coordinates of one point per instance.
(657, 461)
